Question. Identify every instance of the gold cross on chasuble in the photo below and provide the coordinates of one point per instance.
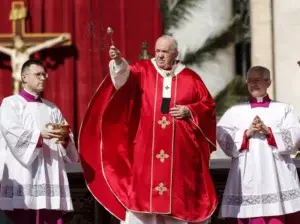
(161, 188)
(162, 156)
(164, 122)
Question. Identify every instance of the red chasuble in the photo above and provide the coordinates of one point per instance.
(136, 158)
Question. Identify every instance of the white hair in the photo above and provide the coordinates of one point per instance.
(266, 72)
(174, 44)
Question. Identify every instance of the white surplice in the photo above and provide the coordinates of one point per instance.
(31, 177)
(263, 180)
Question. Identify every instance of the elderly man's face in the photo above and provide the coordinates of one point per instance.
(257, 84)
(164, 54)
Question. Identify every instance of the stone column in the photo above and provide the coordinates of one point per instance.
(262, 38)
(287, 51)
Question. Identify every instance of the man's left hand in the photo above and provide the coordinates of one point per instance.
(180, 112)
(264, 129)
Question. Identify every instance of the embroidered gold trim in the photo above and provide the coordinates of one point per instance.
(163, 122)
(161, 188)
(153, 140)
(162, 156)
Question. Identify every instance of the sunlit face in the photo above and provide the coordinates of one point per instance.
(18, 42)
(257, 84)
(164, 54)
(34, 78)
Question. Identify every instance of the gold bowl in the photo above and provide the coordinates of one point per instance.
(64, 130)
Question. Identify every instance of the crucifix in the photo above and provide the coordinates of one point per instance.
(20, 45)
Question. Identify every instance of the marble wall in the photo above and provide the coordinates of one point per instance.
(276, 45)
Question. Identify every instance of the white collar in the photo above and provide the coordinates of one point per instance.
(176, 69)
(260, 99)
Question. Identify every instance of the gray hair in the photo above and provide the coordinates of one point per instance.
(266, 72)
(174, 44)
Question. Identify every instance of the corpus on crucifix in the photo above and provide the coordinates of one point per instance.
(21, 45)
(19, 54)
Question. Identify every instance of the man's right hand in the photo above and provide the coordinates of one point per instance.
(115, 54)
(49, 134)
(65, 36)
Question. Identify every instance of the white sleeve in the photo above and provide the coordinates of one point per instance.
(20, 141)
(119, 73)
(229, 137)
(69, 154)
(287, 136)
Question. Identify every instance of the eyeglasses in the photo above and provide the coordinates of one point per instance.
(40, 75)
(257, 80)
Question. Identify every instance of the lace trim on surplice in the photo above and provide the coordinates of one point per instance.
(49, 190)
(23, 143)
(227, 143)
(287, 139)
(238, 200)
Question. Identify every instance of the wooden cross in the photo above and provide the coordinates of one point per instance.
(31, 42)
(18, 15)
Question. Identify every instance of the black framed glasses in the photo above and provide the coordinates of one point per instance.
(40, 75)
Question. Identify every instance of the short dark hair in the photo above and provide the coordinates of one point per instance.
(30, 62)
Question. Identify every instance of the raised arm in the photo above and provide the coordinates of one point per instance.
(119, 73)
(6, 50)
(120, 69)
(49, 43)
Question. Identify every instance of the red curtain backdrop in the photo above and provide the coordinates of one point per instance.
(76, 71)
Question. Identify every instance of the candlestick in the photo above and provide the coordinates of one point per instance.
(110, 33)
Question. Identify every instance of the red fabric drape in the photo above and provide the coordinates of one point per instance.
(76, 71)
